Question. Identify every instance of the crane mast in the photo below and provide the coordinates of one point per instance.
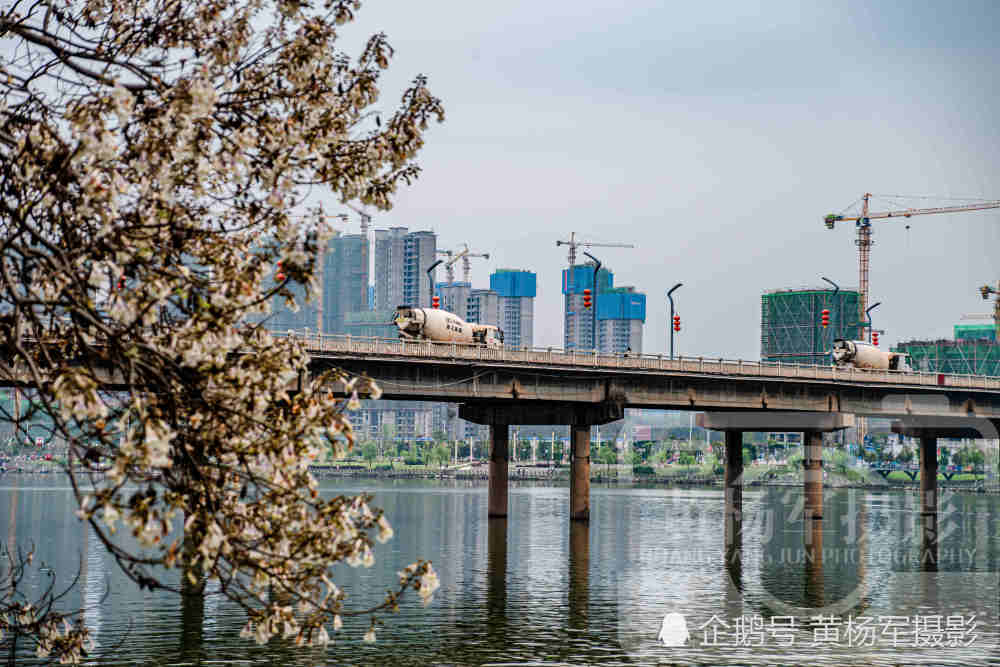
(864, 241)
(466, 267)
(986, 291)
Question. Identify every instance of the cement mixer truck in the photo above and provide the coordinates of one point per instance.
(860, 354)
(441, 326)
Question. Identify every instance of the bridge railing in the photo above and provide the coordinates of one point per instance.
(699, 365)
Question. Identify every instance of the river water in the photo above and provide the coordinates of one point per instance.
(536, 589)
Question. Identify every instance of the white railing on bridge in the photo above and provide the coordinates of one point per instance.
(318, 343)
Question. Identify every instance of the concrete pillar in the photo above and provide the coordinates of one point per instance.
(496, 565)
(928, 475)
(812, 442)
(579, 475)
(929, 501)
(579, 574)
(734, 491)
(814, 590)
(499, 457)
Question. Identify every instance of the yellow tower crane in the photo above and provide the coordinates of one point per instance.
(864, 241)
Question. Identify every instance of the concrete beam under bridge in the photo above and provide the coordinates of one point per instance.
(947, 427)
(585, 414)
(767, 421)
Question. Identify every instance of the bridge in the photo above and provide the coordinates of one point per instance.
(502, 386)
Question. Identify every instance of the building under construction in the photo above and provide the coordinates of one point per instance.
(974, 351)
(790, 323)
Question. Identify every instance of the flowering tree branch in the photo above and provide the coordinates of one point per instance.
(155, 160)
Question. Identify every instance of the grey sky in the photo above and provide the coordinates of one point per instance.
(714, 136)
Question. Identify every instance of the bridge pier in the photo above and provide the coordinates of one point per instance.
(580, 417)
(812, 473)
(499, 458)
(579, 476)
(928, 430)
(811, 424)
(733, 512)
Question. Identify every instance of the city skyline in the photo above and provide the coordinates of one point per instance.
(701, 138)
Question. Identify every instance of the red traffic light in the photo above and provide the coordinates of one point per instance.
(825, 319)
(586, 298)
(436, 302)
(677, 322)
(875, 338)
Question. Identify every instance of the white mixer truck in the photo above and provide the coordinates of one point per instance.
(860, 354)
(441, 326)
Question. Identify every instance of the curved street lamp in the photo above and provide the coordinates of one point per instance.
(868, 314)
(670, 322)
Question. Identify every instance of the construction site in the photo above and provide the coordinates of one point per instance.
(791, 328)
(973, 350)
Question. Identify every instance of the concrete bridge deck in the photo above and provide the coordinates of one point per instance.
(552, 381)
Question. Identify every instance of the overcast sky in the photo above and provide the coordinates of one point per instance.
(714, 136)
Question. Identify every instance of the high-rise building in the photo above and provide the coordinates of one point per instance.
(790, 324)
(516, 290)
(343, 277)
(389, 252)
(621, 313)
(345, 281)
(401, 262)
(484, 307)
(578, 322)
(419, 252)
(455, 297)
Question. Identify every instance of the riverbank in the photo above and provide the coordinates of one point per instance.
(665, 476)
(683, 476)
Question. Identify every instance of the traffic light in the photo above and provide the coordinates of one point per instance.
(677, 322)
(875, 338)
(825, 320)
(587, 303)
(436, 301)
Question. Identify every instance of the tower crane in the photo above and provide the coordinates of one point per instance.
(450, 271)
(466, 269)
(449, 266)
(864, 240)
(366, 218)
(573, 244)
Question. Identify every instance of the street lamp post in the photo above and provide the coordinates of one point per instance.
(430, 280)
(868, 314)
(593, 325)
(836, 289)
(670, 322)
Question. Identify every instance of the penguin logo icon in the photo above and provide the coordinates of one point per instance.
(673, 630)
